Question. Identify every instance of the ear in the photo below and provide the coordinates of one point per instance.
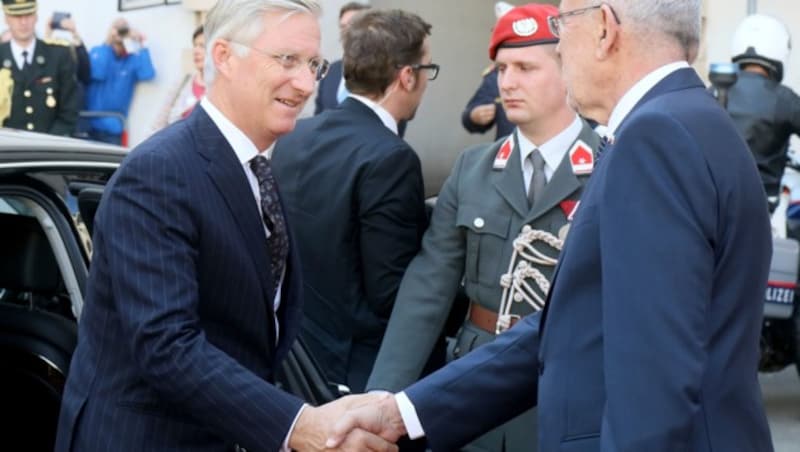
(608, 32)
(407, 78)
(221, 53)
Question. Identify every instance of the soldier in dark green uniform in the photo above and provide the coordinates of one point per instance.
(499, 222)
(38, 89)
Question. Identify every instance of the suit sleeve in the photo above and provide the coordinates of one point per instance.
(486, 94)
(69, 95)
(156, 293)
(489, 386)
(425, 296)
(392, 220)
(657, 229)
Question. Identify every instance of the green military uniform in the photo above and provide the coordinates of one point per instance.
(480, 211)
(45, 97)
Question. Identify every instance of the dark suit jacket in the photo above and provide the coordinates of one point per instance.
(47, 97)
(487, 93)
(176, 345)
(355, 199)
(650, 339)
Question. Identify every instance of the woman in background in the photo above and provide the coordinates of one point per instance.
(191, 89)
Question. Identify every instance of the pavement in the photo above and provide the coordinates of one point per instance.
(781, 392)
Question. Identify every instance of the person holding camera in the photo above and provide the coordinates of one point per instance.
(38, 91)
(116, 67)
(64, 21)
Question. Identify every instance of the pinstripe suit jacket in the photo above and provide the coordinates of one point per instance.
(175, 348)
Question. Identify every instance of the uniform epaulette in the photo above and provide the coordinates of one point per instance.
(488, 69)
(56, 42)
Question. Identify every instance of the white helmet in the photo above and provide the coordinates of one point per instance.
(762, 40)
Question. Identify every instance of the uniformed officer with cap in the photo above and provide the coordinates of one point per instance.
(38, 90)
(500, 220)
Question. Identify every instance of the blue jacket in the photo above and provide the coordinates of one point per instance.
(113, 81)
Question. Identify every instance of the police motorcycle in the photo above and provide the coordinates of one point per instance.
(780, 333)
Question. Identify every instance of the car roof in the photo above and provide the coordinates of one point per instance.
(22, 148)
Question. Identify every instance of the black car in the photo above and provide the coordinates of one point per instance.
(50, 188)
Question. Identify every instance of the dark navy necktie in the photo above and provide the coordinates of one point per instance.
(25, 64)
(273, 216)
(601, 148)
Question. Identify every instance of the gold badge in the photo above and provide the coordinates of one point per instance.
(50, 102)
(562, 233)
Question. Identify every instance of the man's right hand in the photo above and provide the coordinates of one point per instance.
(380, 417)
(483, 114)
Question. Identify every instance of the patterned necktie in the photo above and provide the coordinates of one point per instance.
(604, 143)
(538, 180)
(273, 216)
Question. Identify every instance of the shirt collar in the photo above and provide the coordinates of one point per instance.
(243, 147)
(386, 118)
(638, 91)
(554, 149)
(16, 50)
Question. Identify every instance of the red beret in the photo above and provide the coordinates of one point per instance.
(523, 26)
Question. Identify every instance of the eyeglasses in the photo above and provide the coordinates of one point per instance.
(291, 63)
(557, 22)
(432, 68)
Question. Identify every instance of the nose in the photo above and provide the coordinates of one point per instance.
(506, 80)
(304, 81)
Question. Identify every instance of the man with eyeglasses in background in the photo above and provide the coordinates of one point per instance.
(193, 297)
(650, 338)
(354, 194)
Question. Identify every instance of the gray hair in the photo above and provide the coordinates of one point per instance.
(241, 21)
(675, 19)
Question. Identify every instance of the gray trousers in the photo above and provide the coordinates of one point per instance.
(517, 435)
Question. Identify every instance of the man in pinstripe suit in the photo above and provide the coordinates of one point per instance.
(193, 295)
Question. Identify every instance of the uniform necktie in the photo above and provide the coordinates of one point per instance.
(25, 64)
(538, 180)
(273, 216)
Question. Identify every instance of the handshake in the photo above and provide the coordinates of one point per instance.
(364, 422)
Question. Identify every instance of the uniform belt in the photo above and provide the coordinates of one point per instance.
(485, 319)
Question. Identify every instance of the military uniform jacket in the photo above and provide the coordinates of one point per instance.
(45, 97)
(479, 213)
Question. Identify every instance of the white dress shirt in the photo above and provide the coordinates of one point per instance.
(16, 52)
(386, 118)
(552, 151)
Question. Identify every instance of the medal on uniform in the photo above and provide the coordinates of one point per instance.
(501, 159)
(569, 206)
(40, 59)
(50, 101)
(581, 158)
(6, 64)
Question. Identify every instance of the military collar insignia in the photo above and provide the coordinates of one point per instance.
(503, 154)
(581, 158)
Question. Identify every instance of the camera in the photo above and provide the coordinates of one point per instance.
(58, 16)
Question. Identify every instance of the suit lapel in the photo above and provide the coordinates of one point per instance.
(227, 175)
(564, 181)
(509, 181)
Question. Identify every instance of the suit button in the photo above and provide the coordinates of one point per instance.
(541, 369)
(27, 93)
(479, 223)
(29, 110)
(30, 126)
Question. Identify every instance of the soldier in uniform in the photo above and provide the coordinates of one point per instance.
(500, 220)
(38, 89)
